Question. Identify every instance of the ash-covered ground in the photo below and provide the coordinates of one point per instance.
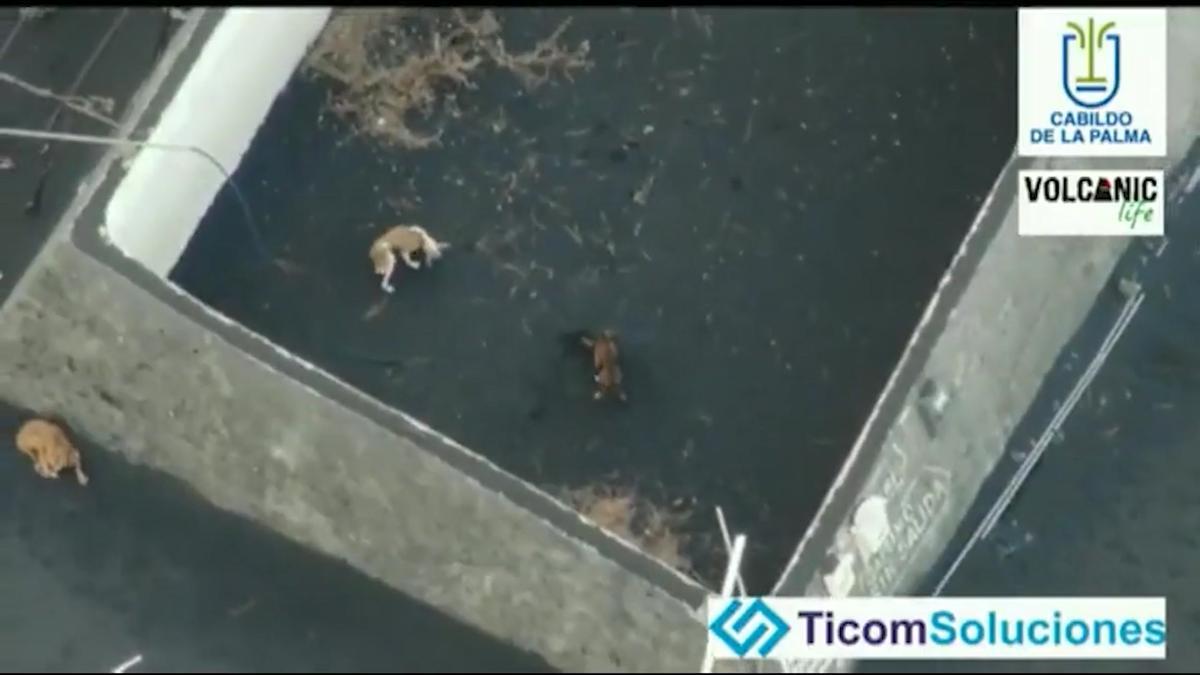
(137, 563)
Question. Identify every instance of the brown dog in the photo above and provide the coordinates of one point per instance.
(606, 363)
(51, 451)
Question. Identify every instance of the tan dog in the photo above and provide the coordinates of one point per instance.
(50, 449)
(407, 239)
(607, 364)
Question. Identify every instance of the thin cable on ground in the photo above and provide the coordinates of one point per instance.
(80, 104)
(1048, 435)
(83, 106)
(130, 143)
(1010, 491)
(69, 99)
(12, 36)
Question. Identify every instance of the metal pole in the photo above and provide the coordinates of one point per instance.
(735, 561)
(741, 585)
(731, 574)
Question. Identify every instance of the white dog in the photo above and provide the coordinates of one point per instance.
(407, 239)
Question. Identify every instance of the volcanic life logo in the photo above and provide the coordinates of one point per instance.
(1092, 83)
(1090, 203)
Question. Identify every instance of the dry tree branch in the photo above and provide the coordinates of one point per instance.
(636, 519)
(391, 66)
(535, 67)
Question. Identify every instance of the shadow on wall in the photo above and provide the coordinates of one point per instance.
(136, 562)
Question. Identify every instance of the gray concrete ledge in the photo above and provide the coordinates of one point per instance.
(129, 372)
(138, 366)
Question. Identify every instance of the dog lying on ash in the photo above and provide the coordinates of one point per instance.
(51, 451)
(407, 239)
(606, 363)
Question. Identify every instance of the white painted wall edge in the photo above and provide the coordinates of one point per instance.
(219, 107)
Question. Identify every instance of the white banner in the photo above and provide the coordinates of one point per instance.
(937, 628)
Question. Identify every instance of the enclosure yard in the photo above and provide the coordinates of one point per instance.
(759, 202)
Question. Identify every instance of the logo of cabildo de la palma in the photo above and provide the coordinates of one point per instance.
(1087, 89)
(1092, 82)
(1090, 203)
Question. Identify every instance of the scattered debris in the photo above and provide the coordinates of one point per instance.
(573, 232)
(131, 662)
(243, 608)
(31, 13)
(636, 520)
(375, 309)
(534, 68)
(99, 108)
(704, 22)
(394, 65)
(1128, 287)
(643, 193)
(749, 127)
(33, 207)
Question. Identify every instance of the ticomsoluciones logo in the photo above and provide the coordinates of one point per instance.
(943, 628)
(743, 628)
(865, 628)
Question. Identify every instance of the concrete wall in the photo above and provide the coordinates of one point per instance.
(97, 336)
(140, 378)
(219, 107)
(999, 320)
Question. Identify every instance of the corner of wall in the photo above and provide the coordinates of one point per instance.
(218, 108)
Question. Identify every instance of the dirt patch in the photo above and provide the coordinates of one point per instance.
(397, 71)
